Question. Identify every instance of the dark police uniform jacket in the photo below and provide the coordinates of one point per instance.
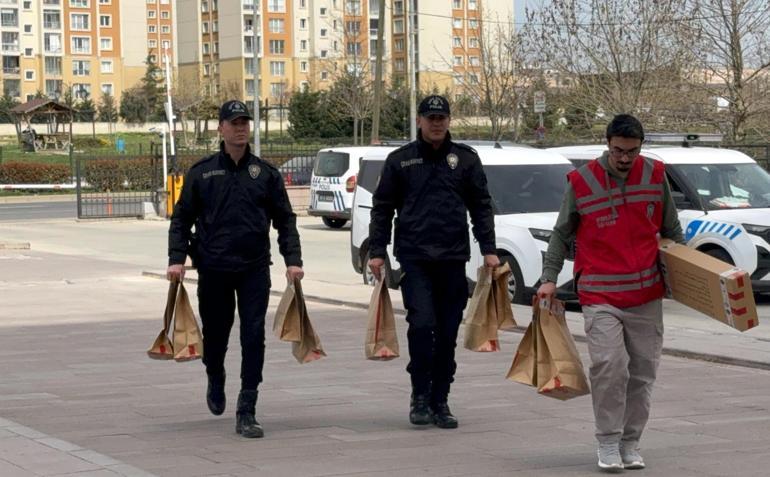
(432, 191)
(232, 207)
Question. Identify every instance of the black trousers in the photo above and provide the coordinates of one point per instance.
(217, 293)
(435, 295)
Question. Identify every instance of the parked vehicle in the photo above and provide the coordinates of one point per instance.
(333, 182)
(526, 186)
(297, 171)
(723, 199)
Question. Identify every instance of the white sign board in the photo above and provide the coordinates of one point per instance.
(539, 101)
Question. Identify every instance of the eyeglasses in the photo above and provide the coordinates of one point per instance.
(630, 153)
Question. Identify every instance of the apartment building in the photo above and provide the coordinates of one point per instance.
(87, 46)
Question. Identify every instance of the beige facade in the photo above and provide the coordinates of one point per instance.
(298, 43)
(89, 47)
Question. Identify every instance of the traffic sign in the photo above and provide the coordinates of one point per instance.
(539, 101)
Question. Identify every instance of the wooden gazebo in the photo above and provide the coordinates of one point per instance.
(55, 113)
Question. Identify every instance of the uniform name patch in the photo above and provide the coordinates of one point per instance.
(218, 172)
(411, 162)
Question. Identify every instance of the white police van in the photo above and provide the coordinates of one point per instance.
(333, 182)
(723, 199)
(526, 186)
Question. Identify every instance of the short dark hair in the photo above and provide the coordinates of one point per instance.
(625, 125)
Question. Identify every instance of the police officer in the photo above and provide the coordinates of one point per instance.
(432, 183)
(232, 197)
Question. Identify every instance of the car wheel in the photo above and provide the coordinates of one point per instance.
(368, 276)
(515, 281)
(334, 223)
(720, 254)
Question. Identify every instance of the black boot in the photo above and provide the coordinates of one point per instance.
(215, 395)
(419, 411)
(442, 416)
(245, 423)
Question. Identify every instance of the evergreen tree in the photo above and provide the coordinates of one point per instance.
(152, 90)
(134, 107)
(107, 110)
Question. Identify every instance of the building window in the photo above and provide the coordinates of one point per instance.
(27, 51)
(151, 14)
(53, 65)
(457, 22)
(206, 70)
(165, 29)
(53, 88)
(105, 44)
(457, 4)
(276, 6)
(151, 29)
(398, 45)
(324, 53)
(81, 90)
(399, 64)
(79, 21)
(107, 88)
(398, 26)
(105, 21)
(275, 25)
(29, 75)
(474, 60)
(458, 61)
(52, 42)
(473, 23)
(322, 11)
(353, 48)
(81, 68)
(205, 27)
(81, 44)
(472, 5)
(302, 3)
(106, 66)
(9, 17)
(277, 47)
(79, 3)
(303, 45)
(277, 68)
(303, 23)
(353, 7)
(457, 42)
(324, 75)
(206, 48)
(473, 42)
(51, 19)
(353, 27)
(248, 64)
(27, 4)
(215, 26)
(167, 44)
(303, 66)
(165, 14)
(398, 7)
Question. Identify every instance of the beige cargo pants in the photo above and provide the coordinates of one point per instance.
(625, 346)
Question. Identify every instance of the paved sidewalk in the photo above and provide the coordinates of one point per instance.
(80, 398)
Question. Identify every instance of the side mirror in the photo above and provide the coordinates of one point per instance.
(681, 201)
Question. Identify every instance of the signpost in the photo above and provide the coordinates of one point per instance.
(539, 98)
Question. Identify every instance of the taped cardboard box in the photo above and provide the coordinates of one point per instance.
(710, 286)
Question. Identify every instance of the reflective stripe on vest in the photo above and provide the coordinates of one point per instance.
(606, 199)
(643, 279)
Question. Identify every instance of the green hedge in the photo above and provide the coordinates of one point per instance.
(34, 173)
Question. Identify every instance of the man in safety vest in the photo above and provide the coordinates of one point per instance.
(616, 208)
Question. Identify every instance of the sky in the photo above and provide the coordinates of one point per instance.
(518, 9)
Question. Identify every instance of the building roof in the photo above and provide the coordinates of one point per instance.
(45, 104)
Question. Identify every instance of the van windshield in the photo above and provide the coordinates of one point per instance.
(728, 186)
(331, 164)
(519, 189)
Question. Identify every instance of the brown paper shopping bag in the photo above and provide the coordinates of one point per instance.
(489, 309)
(188, 342)
(560, 371)
(162, 348)
(381, 338)
(292, 323)
(524, 367)
(500, 277)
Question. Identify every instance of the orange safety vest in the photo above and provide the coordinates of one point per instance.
(616, 259)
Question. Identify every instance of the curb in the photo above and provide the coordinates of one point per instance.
(675, 352)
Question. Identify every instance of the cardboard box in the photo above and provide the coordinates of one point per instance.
(708, 285)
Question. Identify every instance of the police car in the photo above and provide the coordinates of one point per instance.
(526, 186)
(333, 182)
(723, 199)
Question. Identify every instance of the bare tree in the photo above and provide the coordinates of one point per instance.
(731, 41)
(495, 76)
(615, 55)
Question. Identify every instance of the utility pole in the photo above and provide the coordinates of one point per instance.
(411, 36)
(170, 110)
(254, 29)
(378, 73)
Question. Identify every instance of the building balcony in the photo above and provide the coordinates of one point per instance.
(10, 47)
(52, 25)
(11, 70)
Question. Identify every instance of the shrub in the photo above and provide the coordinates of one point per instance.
(34, 173)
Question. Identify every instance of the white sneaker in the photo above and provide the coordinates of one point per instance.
(631, 457)
(609, 458)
